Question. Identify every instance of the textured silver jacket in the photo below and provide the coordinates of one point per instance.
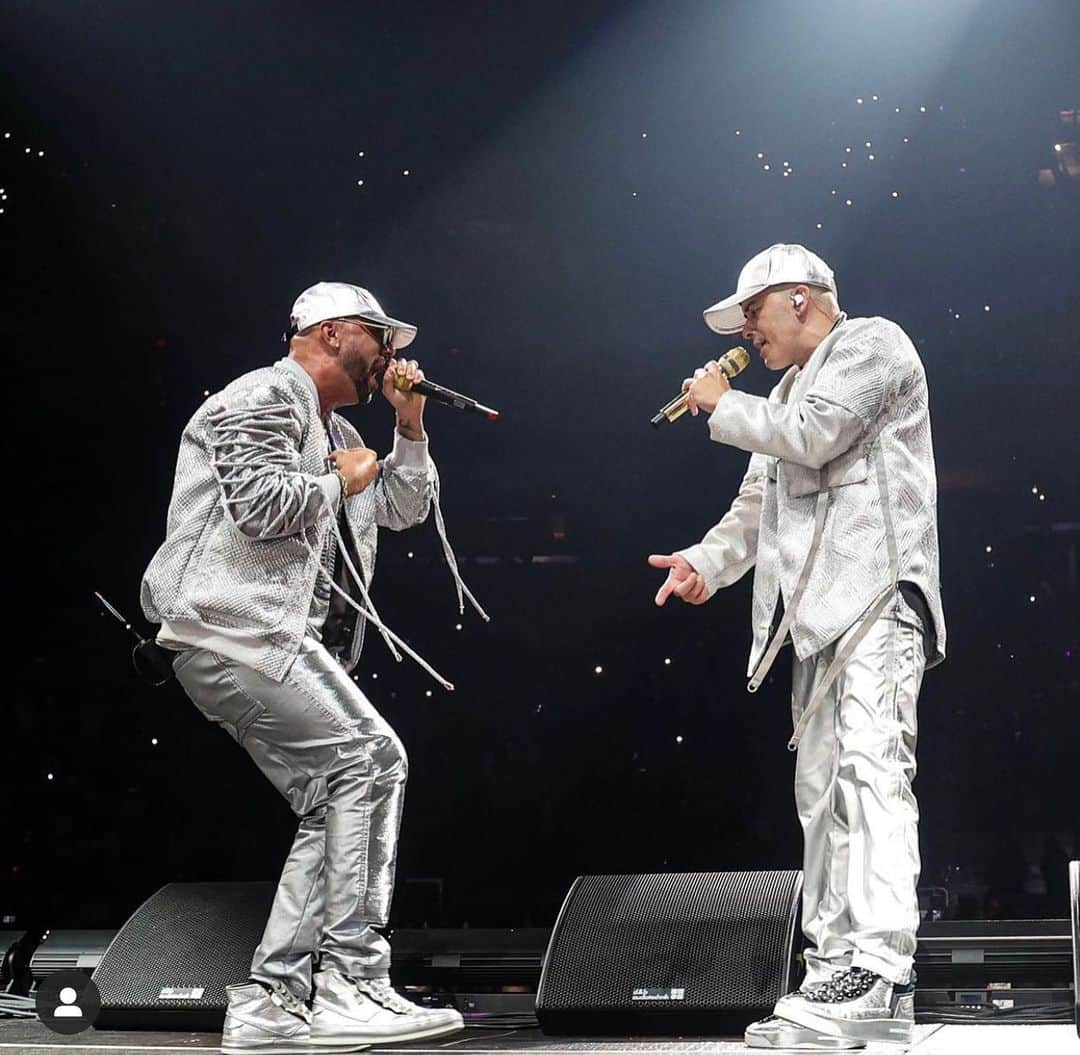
(251, 507)
(839, 500)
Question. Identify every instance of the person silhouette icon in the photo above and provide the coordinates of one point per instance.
(68, 1008)
(68, 1002)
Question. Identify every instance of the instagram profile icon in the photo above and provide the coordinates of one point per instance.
(67, 1002)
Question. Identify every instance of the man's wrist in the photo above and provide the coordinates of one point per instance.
(411, 430)
(343, 481)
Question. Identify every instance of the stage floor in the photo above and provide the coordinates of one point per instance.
(29, 1037)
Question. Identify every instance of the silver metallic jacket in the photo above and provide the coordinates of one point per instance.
(251, 508)
(839, 501)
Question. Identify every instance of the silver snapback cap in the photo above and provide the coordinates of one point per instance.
(777, 265)
(337, 300)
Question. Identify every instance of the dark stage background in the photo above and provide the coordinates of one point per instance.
(582, 181)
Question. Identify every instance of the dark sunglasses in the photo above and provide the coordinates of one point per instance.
(383, 334)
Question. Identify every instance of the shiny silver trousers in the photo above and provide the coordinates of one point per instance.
(322, 744)
(853, 775)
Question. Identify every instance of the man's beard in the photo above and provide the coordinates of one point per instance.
(360, 373)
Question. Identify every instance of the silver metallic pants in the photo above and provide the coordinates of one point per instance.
(853, 776)
(323, 745)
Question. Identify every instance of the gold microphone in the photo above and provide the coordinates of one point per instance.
(730, 363)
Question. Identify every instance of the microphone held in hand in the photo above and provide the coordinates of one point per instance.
(730, 363)
(446, 396)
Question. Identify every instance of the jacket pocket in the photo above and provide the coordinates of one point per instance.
(851, 467)
(238, 720)
(211, 684)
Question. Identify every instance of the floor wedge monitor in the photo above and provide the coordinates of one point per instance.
(168, 966)
(681, 953)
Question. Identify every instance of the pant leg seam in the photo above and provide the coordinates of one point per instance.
(892, 752)
(326, 713)
(908, 648)
(834, 772)
(307, 901)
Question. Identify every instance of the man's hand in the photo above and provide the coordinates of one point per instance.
(706, 388)
(682, 580)
(409, 406)
(359, 466)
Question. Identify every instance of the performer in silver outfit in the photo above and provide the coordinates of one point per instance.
(837, 515)
(261, 588)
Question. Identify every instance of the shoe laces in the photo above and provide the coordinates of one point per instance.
(284, 997)
(383, 993)
(848, 984)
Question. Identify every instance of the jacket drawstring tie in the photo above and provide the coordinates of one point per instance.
(367, 608)
(451, 560)
(876, 608)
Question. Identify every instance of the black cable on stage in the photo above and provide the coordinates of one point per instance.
(15, 1006)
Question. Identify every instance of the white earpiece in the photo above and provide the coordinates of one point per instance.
(797, 299)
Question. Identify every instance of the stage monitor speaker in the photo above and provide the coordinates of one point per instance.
(69, 950)
(690, 953)
(168, 966)
(1074, 899)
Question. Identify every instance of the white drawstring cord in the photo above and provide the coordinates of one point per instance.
(451, 560)
(369, 613)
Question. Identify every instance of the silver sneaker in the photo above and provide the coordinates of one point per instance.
(855, 1004)
(370, 1011)
(274, 1021)
(781, 1035)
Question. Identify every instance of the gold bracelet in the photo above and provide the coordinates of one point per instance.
(341, 479)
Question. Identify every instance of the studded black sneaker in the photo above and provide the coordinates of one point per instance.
(855, 1004)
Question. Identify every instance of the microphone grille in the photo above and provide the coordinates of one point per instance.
(735, 361)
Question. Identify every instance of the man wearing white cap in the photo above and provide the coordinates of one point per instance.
(837, 515)
(261, 586)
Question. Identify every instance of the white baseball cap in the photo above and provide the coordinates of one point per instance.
(774, 266)
(339, 300)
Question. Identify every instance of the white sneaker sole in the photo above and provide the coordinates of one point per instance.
(292, 1047)
(814, 1041)
(871, 1030)
(367, 1037)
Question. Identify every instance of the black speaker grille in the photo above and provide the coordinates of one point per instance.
(707, 941)
(1074, 899)
(186, 936)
